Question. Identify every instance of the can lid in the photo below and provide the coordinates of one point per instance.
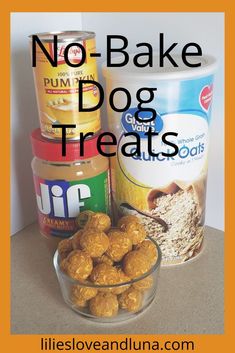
(52, 150)
(64, 36)
(168, 72)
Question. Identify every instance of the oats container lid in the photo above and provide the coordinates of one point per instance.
(208, 66)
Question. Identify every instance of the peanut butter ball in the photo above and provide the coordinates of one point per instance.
(80, 302)
(119, 245)
(123, 221)
(63, 265)
(94, 242)
(131, 300)
(64, 248)
(76, 239)
(99, 221)
(104, 274)
(103, 259)
(122, 278)
(135, 231)
(83, 218)
(136, 263)
(150, 249)
(79, 265)
(144, 283)
(104, 305)
(83, 293)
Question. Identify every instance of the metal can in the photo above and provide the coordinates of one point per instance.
(57, 87)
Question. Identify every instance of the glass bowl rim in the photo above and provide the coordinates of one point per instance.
(117, 285)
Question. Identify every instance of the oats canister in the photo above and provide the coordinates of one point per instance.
(57, 87)
(65, 186)
(167, 193)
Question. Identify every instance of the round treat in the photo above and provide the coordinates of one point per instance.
(76, 240)
(94, 242)
(122, 278)
(104, 305)
(79, 265)
(99, 222)
(85, 293)
(63, 265)
(83, 218)
(126, 220)
(80, 302)
(119, 245)
(103, 259)
(104, 274)
(144, 283)
(150, 249)
(131, 300)
(136, 263)
(135, 231)
(64, 248)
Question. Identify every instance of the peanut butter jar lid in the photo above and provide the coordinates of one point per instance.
(52, 150)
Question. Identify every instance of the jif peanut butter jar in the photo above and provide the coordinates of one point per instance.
(67, 185)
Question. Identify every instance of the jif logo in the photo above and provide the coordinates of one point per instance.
(53, 198)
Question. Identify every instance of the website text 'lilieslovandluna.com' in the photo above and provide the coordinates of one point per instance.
(126, 344)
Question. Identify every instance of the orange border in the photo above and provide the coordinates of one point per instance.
(203, 343)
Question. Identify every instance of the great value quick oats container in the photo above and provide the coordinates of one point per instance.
(65, 186)
(167, 193)
(57, 87)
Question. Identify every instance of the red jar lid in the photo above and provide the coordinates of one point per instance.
(51, 150)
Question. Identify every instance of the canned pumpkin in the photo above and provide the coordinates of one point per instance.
(57, 87)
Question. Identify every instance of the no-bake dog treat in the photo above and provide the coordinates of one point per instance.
(102, 259)
(104, 274)
(95, 242)
(76, 240)
(136, 263)
(83, 218)
(65, 246)
(78, 265)
(121, 278)
(119, 244)
(135, 230)
(100, 256)
(81, 295)
(150, 250)
(85, 293)
(99, 221)
(144, 283)
(104, 304)
(131, 299)
(123, 221)
(63, 265)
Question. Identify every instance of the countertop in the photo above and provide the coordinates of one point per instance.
(189, 299)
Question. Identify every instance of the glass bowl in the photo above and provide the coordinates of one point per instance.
(144, 296)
